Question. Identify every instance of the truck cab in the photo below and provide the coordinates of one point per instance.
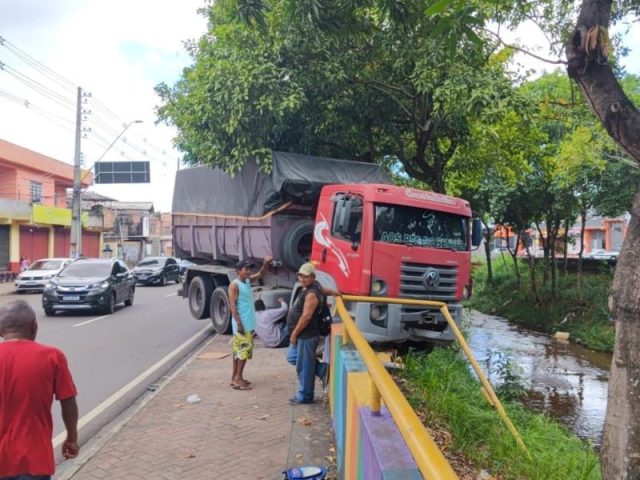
(388, 241)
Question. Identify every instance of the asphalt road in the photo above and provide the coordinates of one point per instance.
(115, 358)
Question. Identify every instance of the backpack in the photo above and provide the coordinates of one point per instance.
(323, 316)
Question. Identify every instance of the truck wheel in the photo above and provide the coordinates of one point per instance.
(200, 290)
(295, 248)
(220, 311)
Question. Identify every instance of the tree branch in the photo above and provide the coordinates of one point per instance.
(522, 50)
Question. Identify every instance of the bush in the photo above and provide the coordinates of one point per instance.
(585, 317)
(441, 388)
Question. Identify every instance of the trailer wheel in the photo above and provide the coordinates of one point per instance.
(200, 290)
(220, 311)
(295, 248)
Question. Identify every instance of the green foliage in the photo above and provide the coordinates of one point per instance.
(441, 385)
(359, 80)
(586, 318)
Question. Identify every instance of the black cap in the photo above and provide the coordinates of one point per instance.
(244, 263)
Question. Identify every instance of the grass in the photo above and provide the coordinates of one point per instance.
(442, 389)
(585, 317)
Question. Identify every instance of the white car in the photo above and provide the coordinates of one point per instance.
(602, 254)
(37, 276)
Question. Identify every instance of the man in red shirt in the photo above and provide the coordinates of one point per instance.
(31, 374)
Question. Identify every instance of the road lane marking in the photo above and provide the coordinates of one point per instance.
(58, 439)
(171, 295)
(91, 321)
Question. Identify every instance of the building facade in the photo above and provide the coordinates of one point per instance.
(35, 219)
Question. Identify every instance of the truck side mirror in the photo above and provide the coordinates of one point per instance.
(345, 216)
(476, 232)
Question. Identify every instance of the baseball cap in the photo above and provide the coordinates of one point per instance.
(243, 264)
(307, 269)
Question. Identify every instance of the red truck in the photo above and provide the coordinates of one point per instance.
(365, 236)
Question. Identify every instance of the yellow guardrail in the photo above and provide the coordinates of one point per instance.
(428, 457)
(426, 453)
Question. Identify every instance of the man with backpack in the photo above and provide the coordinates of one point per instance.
(303, 321)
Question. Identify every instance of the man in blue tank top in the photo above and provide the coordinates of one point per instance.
(243, 318)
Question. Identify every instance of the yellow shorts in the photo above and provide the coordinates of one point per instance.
(242, 346)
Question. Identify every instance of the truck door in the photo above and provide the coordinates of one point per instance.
(341, 253)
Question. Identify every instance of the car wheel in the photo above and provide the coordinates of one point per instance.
(129, 301)
(163, 281)
(49, 312)
(178, 280)
(111, 307)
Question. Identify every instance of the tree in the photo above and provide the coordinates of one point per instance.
(588, 64)
(268, 76)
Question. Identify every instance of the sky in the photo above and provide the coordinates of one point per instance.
(117, 52)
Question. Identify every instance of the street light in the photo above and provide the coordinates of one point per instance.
(76, 201)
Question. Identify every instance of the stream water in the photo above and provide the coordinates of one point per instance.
(564, 380)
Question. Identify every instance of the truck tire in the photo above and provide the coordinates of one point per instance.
(220, 311)
(200, 290)
(295, 248)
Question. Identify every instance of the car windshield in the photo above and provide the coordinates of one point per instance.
(46, 265)
(413, 226)
(150, 262)
(87, 269)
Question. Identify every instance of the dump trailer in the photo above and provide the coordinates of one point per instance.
(365, 235)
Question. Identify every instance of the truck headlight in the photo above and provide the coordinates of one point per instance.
(378, 287)
(378, 312)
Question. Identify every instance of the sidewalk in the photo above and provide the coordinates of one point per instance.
(229, 434)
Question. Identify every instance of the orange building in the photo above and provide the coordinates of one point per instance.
(34, 217)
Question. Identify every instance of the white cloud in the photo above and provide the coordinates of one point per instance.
(116, 50)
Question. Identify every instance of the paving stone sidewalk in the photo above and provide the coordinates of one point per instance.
(229, 434)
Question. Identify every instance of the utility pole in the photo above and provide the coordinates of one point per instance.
(76, 201)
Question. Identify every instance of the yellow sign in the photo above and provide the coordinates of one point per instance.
(53, 215)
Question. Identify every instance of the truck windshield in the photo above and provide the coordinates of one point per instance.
(404, 225)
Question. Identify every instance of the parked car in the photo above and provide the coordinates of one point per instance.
(184, 264)
(89, 284)
(37, 276)
(157, 270)
(602, 254)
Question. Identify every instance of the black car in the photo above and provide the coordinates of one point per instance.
(157, 270)
(89, 284)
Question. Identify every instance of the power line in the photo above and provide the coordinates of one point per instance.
(37, 86)
(38, 110)
(42, 68)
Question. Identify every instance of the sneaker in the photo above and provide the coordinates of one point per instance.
(295, 401)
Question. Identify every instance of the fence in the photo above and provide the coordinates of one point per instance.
(378, 434)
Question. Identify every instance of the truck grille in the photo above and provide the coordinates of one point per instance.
(412, 284)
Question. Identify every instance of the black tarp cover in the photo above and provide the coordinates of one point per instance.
(251, 193)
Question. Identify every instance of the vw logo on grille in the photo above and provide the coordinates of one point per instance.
(431, 279)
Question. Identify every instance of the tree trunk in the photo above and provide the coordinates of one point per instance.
(583, 226)
(514, 256)
(620, 456)
(565, 242)
(588, 66)
(487, 252)
(532, 274)
(553, 266)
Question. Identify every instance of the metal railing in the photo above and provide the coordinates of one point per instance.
(425, 451)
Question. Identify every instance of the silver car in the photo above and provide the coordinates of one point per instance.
(37, 276)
